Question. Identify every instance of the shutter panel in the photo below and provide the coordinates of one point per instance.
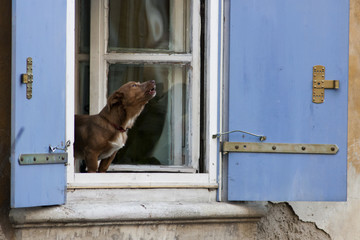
(39, 32)
(274, 46)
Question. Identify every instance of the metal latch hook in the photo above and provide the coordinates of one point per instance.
(262, 137)
(53, 149)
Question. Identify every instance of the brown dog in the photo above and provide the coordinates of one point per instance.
(99, 137)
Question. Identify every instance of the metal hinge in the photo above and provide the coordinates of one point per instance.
(46, 158)
(261, 147)
(51, 158)
(253, 147)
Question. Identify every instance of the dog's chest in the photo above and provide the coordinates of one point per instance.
(119, 141)
(131, 121)
(114, 145)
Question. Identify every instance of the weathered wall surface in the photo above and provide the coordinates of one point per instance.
(282, 223)
(228, 231)
(340, 220)
(5, 116)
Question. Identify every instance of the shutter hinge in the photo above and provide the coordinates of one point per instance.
(253, 147)
(46, 158)
(50, 158)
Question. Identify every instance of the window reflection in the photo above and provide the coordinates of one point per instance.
(139, 24)
(149, 26)
(83, 88)
(158, 134)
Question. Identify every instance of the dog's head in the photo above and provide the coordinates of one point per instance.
(133, 94)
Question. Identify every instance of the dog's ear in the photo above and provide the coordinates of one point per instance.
(114, 99)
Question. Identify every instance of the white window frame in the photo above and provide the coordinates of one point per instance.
(100, 58)
(149, 180)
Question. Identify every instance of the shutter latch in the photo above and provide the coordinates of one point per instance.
(320, 84)
(27, 78)
(262, 137)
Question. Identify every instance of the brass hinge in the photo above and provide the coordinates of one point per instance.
(320, 84)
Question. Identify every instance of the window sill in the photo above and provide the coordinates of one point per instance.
(150, 168)
(141, 180)
(87, 214)
(142, 206)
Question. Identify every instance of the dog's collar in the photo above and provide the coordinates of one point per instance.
(121, 129)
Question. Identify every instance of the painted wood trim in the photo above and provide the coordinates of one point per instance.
(212, 78)
(223, 96)
(150, 168)
(98, 86)
(141, 180)
(70, 85)
(148, 58)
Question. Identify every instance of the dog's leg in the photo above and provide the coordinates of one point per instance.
(105, 163)
(91, 162)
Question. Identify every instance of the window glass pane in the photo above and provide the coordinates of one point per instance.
(148, 25)
(158, 136)
(84, 26)
(83, 88)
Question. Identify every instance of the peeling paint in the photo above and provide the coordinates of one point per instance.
(281, 222)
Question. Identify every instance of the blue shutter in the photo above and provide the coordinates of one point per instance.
(39, 32)
(273, 48)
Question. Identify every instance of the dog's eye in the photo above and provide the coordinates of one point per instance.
(134, 85)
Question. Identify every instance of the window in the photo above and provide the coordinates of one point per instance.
(120, 41)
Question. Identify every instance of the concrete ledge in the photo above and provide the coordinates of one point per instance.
(125, 213)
